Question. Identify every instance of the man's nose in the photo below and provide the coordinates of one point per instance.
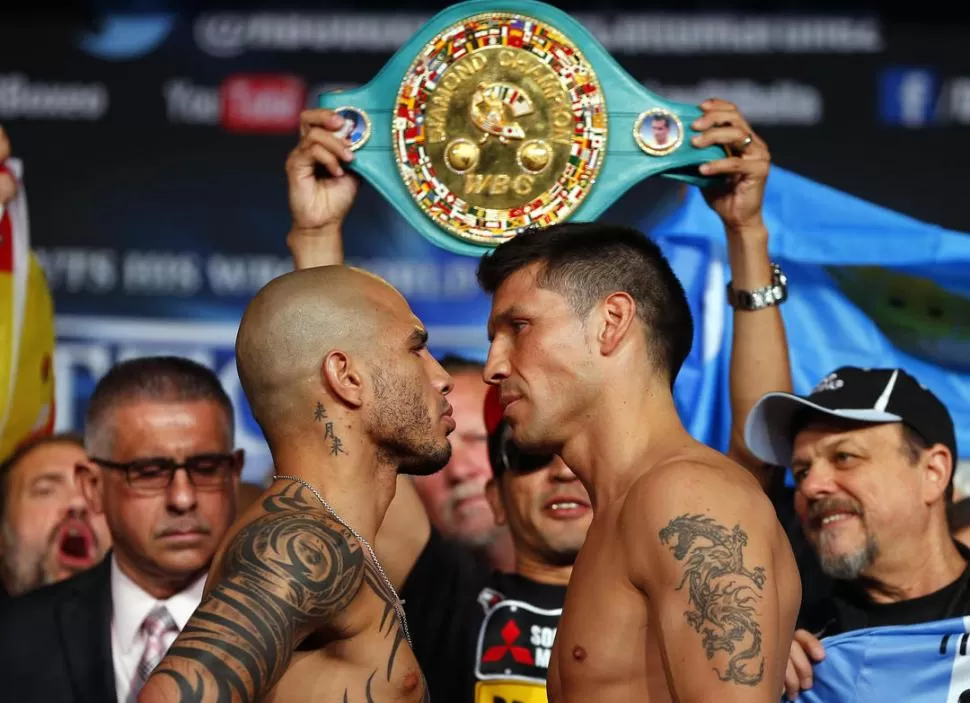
(181, 495)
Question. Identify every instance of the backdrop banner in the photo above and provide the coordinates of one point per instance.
(153, 148)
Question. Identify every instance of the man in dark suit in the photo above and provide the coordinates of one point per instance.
(161, 469)
(65, 629)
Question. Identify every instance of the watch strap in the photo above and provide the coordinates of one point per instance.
(764, 297)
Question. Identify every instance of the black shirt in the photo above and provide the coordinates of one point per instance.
(815, 584)
(848, 608)
(479, 635)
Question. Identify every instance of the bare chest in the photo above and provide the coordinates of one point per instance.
(360, 670)
(604, 648)
(366, 659)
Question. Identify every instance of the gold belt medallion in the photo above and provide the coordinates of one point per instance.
(499, 124)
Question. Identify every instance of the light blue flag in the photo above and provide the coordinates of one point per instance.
(925, 663)
(868, 287)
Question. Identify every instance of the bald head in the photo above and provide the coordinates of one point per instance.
(334, 362)
(296, 320)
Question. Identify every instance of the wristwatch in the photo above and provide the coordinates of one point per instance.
(775, 294)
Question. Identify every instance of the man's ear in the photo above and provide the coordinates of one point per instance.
(343, 378)
(617, 311)
(493, 494)
(90, 482)
(938, 467)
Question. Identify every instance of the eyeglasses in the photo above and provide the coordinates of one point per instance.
(156, 473)
(520, 463)
(516, 461)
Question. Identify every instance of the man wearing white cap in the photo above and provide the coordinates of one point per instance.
(872, 454)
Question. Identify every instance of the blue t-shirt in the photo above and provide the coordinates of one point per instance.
(924, 663)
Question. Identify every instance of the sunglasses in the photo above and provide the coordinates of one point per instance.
(506, 455)
(156, 473)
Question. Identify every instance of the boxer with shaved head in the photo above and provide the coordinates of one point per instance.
(298, 607)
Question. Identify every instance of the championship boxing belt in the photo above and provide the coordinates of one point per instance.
(500, 115)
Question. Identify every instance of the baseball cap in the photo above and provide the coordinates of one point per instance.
(503, 454)
(865, 395)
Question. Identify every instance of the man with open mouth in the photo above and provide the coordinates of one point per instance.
(47, 533)
(160, 470)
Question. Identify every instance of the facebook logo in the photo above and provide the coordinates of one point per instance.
(907, 96)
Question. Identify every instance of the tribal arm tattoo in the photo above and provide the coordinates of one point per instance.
(284, 574)
(390, 625)
(723, 594)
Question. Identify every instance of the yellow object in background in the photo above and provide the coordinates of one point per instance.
(26, 329)
(510, 692)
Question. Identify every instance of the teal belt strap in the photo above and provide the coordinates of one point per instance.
(629, 155)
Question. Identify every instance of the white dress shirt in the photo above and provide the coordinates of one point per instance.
(130, 606)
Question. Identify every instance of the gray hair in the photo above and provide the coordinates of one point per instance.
(150, 378)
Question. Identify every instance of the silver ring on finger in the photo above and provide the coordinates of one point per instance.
(746, 143)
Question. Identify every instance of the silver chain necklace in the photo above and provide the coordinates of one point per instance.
(398, 603)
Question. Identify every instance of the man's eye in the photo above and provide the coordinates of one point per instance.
(147, 470)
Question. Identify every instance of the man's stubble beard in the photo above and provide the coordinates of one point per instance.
(848, 566)
(478, 540)
(19, 577)
(564, 557)
(403, 428)
(557, 554)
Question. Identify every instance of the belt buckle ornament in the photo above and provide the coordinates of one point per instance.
(501, 116)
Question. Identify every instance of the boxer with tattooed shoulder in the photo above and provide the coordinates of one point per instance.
(297, 605)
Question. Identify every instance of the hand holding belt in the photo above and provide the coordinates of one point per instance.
(502, 115)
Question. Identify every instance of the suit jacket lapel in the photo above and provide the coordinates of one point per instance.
(85, 628)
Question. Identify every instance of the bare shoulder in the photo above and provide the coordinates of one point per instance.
(285, 539)
(695, 501)
(706, 482)
(703, 543)
(288, 570)
(291, 544)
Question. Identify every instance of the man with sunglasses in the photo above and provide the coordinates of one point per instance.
(487, 637)
(162, 471)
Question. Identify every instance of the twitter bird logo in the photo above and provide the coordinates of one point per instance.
(125, 37)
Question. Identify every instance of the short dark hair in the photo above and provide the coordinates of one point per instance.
(154, 378)
(661, 118)
(10, 462)
(453, 363)
(585, 262)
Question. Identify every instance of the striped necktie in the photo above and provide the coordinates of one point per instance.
(156, 625)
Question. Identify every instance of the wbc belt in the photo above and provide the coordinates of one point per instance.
(500, 115)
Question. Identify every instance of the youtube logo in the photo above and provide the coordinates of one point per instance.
(261, 103)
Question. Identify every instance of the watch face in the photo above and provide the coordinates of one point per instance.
(760, 298)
